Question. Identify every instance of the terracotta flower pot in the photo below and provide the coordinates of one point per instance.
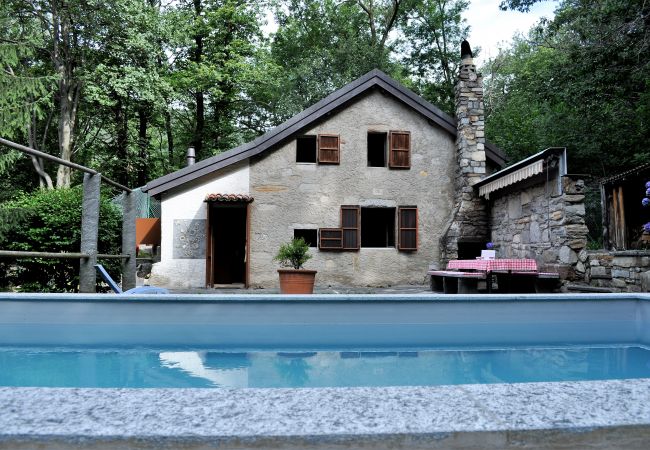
(297, 281)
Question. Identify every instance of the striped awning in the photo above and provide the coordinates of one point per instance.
(235, 198)
(511, 178)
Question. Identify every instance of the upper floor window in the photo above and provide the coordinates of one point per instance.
(306, 149)
(377, 149)
(324, 149)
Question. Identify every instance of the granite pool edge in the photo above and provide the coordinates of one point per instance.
(614, 413)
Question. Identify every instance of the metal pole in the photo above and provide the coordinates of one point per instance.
(89, 232)
(128, 241)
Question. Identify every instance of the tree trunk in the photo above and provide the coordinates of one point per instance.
(121, 142)
(143, 144)
(69, 89)
(197, 56)
(170, 137)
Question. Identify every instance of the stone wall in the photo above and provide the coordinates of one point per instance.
(619, 271)
(535, 220)
(290, 195)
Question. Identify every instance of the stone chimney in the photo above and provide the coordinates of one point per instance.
(469, 221)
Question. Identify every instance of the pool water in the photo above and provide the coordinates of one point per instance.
(143, 368)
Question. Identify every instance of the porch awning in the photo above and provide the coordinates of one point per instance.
(511, 178)
(234, 198)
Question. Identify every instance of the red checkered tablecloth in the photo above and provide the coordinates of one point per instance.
(488, 265)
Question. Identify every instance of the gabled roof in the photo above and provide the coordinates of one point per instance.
(371, 80)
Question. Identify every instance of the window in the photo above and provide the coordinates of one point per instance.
(408, 228)
(310, 236)
(350, 217)
(378, 227)
(377, 149)
(400, 150)
(331, 239)
(328, 149)
(306, 149)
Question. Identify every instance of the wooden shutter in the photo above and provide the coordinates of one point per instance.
(407, 228)
(350, 224)
(328, 149)
(399, 149)
(330, 239)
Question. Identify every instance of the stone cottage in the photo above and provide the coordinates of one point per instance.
(376, 179)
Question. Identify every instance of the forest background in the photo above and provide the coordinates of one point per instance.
(126, 86)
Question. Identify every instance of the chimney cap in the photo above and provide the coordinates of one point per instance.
(465, 50)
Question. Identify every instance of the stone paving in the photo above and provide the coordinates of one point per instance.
(408, 289)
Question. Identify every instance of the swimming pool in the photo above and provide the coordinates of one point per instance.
(141, 368)
(321, 331)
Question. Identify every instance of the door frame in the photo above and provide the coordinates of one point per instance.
(209, 257)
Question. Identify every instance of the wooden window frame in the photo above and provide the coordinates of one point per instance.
(357, 228)
(392, 164)
(321, 238)
(400, 228)
(319, 147)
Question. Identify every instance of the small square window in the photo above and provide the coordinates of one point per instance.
(377, 149)
(310, 236)
(306, 149)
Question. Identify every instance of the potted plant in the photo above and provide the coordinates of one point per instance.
(295, 280)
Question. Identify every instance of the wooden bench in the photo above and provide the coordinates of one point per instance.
(467, 282)
(455, 282)
(526, 282)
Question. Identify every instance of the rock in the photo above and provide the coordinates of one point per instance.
(574, 198)
(620, 273)
(600, 272)
(645, 281)
(583, 255)
(567, 256)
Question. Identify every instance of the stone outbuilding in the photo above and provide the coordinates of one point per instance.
(376, 179)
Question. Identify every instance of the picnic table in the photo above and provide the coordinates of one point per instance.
(510, 275)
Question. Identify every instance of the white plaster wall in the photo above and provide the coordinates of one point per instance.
(188, 203)
(290, 195)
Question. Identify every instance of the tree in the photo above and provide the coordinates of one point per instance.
(216, 48)
(579, 81)
(433, 31)
(323, 45)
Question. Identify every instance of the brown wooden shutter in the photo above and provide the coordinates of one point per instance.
(399, 149)
(328, 149)
(330, 239)
(407, 228)
(350, 224)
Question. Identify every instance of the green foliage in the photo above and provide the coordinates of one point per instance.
(580, 81)
(433, 31)
(293, 254)
(50, 221)
(316, 58)
(25, 86)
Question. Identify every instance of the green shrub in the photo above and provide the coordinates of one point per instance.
(293, 254)
(50, 221)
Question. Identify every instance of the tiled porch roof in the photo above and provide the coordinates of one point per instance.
(242, 198)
